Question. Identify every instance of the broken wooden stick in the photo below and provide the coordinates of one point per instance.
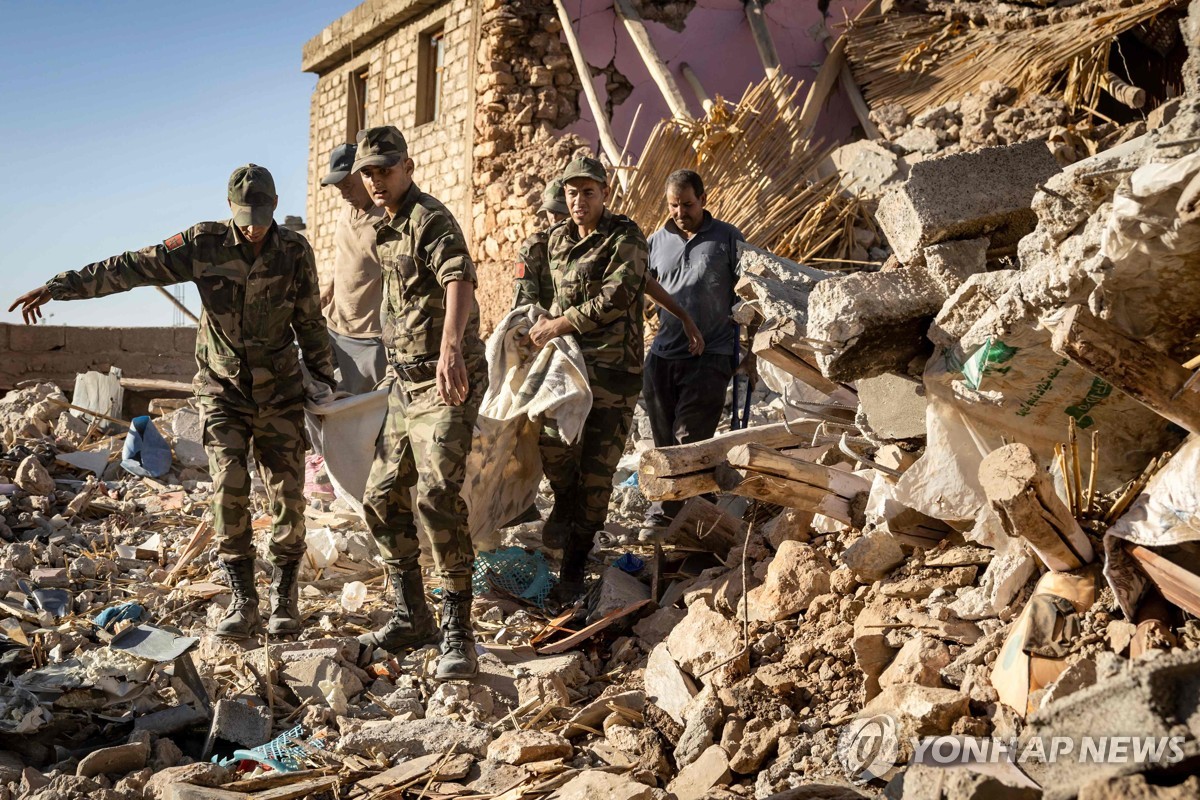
(682, 459)
(757, 458)
(1022, 495)
(195, 545)
(677, 487)
(654, 64)
(706, 526)
(783, 492)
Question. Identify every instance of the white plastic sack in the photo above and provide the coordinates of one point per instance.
(322, 547)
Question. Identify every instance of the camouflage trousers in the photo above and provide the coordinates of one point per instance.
(279, 442)
(581, 474)
(425, 443)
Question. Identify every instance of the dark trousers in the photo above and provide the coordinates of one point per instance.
(684, 400)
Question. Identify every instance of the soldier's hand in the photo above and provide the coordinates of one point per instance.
(31, 304)
(452, 385)
(548, 328)
(695, 338)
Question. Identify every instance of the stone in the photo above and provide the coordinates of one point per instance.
(417, 737)
(658, 626)
(596, 785)
(700, 722)
(33, 478)
(1079, 675)
(1136, 787)
(704, 639)
(976, 654)
(796, 576)
(492, 777)
(965, 195)
(538, 690)
(924, 782)
(305, 676)
(593, 714)
(119, 759)
(894, 407)
(240, 723)
(791, 524)
(866, 167)
(50, 577)
(919, 710)
(758, 742)
(618, 589)
(523, 747)
(918, 140)
(695, 780)
(919, 661)
(169, 720)
(165, 755)
(873, 556)
(667, 686)
(199, 774)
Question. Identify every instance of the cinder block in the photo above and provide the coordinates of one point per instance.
(37, 338)
(240, 723)
(965, 196)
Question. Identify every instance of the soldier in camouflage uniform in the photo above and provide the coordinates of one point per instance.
(598, 264)
(441, 375)
(258, 285)
(534, 285)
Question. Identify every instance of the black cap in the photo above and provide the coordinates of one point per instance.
(339, 164)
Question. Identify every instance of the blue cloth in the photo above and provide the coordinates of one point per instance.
(629, 563)
(114, 614)
(146, 452)
(699, 274)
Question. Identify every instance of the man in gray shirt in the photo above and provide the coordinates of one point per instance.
(695, 258)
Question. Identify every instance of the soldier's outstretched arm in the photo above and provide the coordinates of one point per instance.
(309, 324)
(623, 283)
(157, 265)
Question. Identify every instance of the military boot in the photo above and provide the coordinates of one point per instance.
(571, 576)
(285, 599)
(411, 624)
(458, 639)
(242, 620)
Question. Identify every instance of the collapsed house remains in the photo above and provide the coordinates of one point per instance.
(965, 504)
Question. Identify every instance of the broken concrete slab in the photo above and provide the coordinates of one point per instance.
(866, 167)
(305, 676)
(118, 760)
(892, 408)
(524, 747)
(240, 723)
(618, 589)
(417, 737)
(667, 686)
(986, 192)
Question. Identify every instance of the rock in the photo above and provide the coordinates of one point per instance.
(791, 524)
(919, 661)
(918, 140)
(199, 774)
(240, 723)
(700, 722)
(1079, 675)
(866, 167)
(594, 713)
(796, 576)
(1136, 787)
(695, 780)
(656, 627)
(667, 686)
(417, 737)
(523, 747)
(704, 639)
(542, 690)
(894, 407)
(873, 556)
(119, 759)
(618, 589)
(758, 742)
(491, 777)
(596, 785)
(988, 191)
(166, 754)
(924, 782)
(33, 478)
(919, 710)
(305, 676)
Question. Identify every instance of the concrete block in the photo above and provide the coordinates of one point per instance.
(893, 407)
(305, 677)
(618, 589)
(36, 338)
(147, 340)
(117, 760)
(867, 167)
(987, 192)
(93, 340)
(240, 723)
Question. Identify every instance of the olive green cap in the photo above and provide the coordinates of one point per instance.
(554, 199)
(252, 195)
(585, 168)
(383, 146)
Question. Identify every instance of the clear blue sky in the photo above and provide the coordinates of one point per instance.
(122, 120)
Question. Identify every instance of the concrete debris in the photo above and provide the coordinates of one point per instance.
(523, 747)
(873, 556)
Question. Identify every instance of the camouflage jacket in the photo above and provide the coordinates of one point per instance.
(599, 285)
(255, 309)
(533, 282)
(421, 250)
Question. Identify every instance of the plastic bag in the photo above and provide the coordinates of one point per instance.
(322, 547)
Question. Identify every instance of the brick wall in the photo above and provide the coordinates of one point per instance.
(58, 353)
(441, 149)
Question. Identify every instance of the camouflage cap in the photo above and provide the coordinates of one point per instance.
(339, 164)
(585, 168)
(554, 199)
(380, 147)
(252, 195)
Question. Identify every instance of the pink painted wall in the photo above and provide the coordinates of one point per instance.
(717, 44)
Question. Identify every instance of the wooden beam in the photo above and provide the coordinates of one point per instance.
(694, 81)
(686, 458)
(776, 346)
(1176, 583)
(1125, 93)
(608, 142)
(763, 41)
(818, 92)
(654, 64)
(1146, 375)
(676, 487)
(706, 526)
(757, 458)
(846, 78)
(1021, 494)
(783, 492)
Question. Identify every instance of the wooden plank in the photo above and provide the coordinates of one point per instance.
(818, 93)
(575, 639)
(306, 788)
(273, 780)
(1146, 375)
(1176, 583)
(766, 345)
(662, 76)
(156, 385)
(704, 525)
(783, 492)
(764, 43)
(682, 459)
(762, 459)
